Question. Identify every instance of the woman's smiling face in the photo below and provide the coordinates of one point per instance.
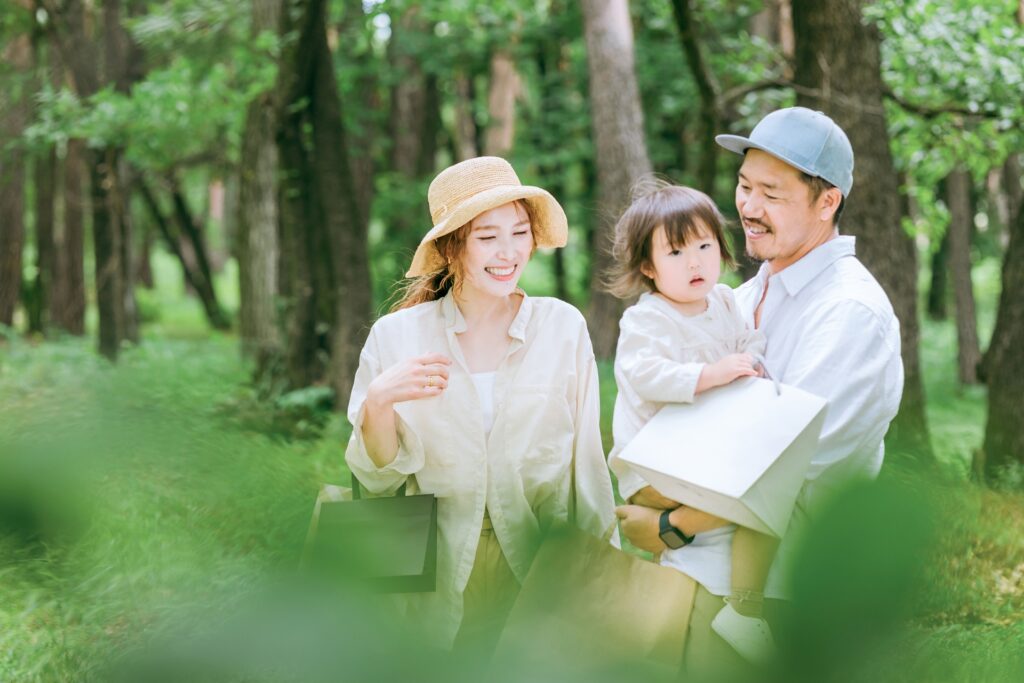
(498, 247)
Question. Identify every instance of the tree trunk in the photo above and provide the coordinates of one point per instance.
(364, 97)
(552, 81)
(107, 252)
(46, 254)
(70, 29)
(505, 86)
(409, 95)
(13, 116)
(191, 230)
(44, 180)
(326, 252)
(961, 224)
(838, 60)
(465, 134)
(144, 257)
(69, 311)
(345, 219)
(186, 243)
(1011, 183)
(707, 88)
(939, 280)
(413, 131)
(1011, 177)
(121, 196)
(1004, 431)
(257, 244)
(621, 152)
(257, 239)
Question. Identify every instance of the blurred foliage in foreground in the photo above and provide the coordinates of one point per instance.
(151, 518)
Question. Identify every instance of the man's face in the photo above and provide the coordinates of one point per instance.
(780, 220)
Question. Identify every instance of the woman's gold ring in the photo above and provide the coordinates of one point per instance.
(430, 380)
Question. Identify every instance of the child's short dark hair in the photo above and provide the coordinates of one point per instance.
(683, 211)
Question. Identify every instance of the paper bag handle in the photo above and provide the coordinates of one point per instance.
(778, 387)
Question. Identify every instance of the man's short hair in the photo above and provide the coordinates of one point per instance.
(818, 185)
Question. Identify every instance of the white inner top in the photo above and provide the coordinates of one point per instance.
(484, 382)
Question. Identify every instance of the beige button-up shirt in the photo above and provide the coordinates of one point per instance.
(546, 412)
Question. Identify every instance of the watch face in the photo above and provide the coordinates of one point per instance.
(672, 538)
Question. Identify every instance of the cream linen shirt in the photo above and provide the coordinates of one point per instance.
(546, 411)
(659, 358)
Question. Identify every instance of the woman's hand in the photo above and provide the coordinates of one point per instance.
(640, 525)
(651, 497)
(421, 377)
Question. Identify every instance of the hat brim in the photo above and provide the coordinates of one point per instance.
(550, 229)
(740, 144)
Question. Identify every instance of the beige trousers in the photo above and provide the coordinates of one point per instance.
(708, 657)
(488, 598)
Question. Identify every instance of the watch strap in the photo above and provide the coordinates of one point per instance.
(668, 532)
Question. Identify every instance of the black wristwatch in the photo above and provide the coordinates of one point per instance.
(671, 536)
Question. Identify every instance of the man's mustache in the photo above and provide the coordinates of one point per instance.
(754, 221)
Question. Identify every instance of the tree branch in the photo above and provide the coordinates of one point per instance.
(733, 95)
(930, 112)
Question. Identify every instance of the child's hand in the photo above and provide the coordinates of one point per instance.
(732, 367)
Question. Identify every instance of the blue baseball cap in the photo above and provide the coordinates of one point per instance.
(805, 139)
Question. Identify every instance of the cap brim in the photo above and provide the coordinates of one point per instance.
(551, 230)
(740, 144)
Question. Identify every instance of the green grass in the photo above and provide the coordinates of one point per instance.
(135, 496)
(156, 496)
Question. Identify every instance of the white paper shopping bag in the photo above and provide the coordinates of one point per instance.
(740, 451)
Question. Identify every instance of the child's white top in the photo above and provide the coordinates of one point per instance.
(659, 358)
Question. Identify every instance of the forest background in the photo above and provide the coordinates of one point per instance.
(204, 204)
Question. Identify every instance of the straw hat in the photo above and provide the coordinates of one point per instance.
(462, 192)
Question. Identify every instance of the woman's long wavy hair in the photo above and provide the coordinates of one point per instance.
(452, 246)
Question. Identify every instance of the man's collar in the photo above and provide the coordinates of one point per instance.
(454, 320)
(795, 277)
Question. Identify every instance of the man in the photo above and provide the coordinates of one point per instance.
(830, 328)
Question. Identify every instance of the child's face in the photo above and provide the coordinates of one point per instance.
(686, 274)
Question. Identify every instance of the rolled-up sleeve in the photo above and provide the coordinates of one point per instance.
(595, 502)
(644, 360)
(410, 457)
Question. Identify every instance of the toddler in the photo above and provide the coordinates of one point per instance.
(683, 336)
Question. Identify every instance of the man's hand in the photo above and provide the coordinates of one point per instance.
(651, 497)
(640, 525)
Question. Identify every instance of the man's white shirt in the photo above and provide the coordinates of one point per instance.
(831, 331)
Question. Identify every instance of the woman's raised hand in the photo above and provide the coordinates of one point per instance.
(421, 377)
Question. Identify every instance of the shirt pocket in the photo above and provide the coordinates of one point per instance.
(539, 426)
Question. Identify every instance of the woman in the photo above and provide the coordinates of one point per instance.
(476, 393)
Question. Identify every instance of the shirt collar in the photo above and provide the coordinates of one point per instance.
(454, 321)
(795, 277)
